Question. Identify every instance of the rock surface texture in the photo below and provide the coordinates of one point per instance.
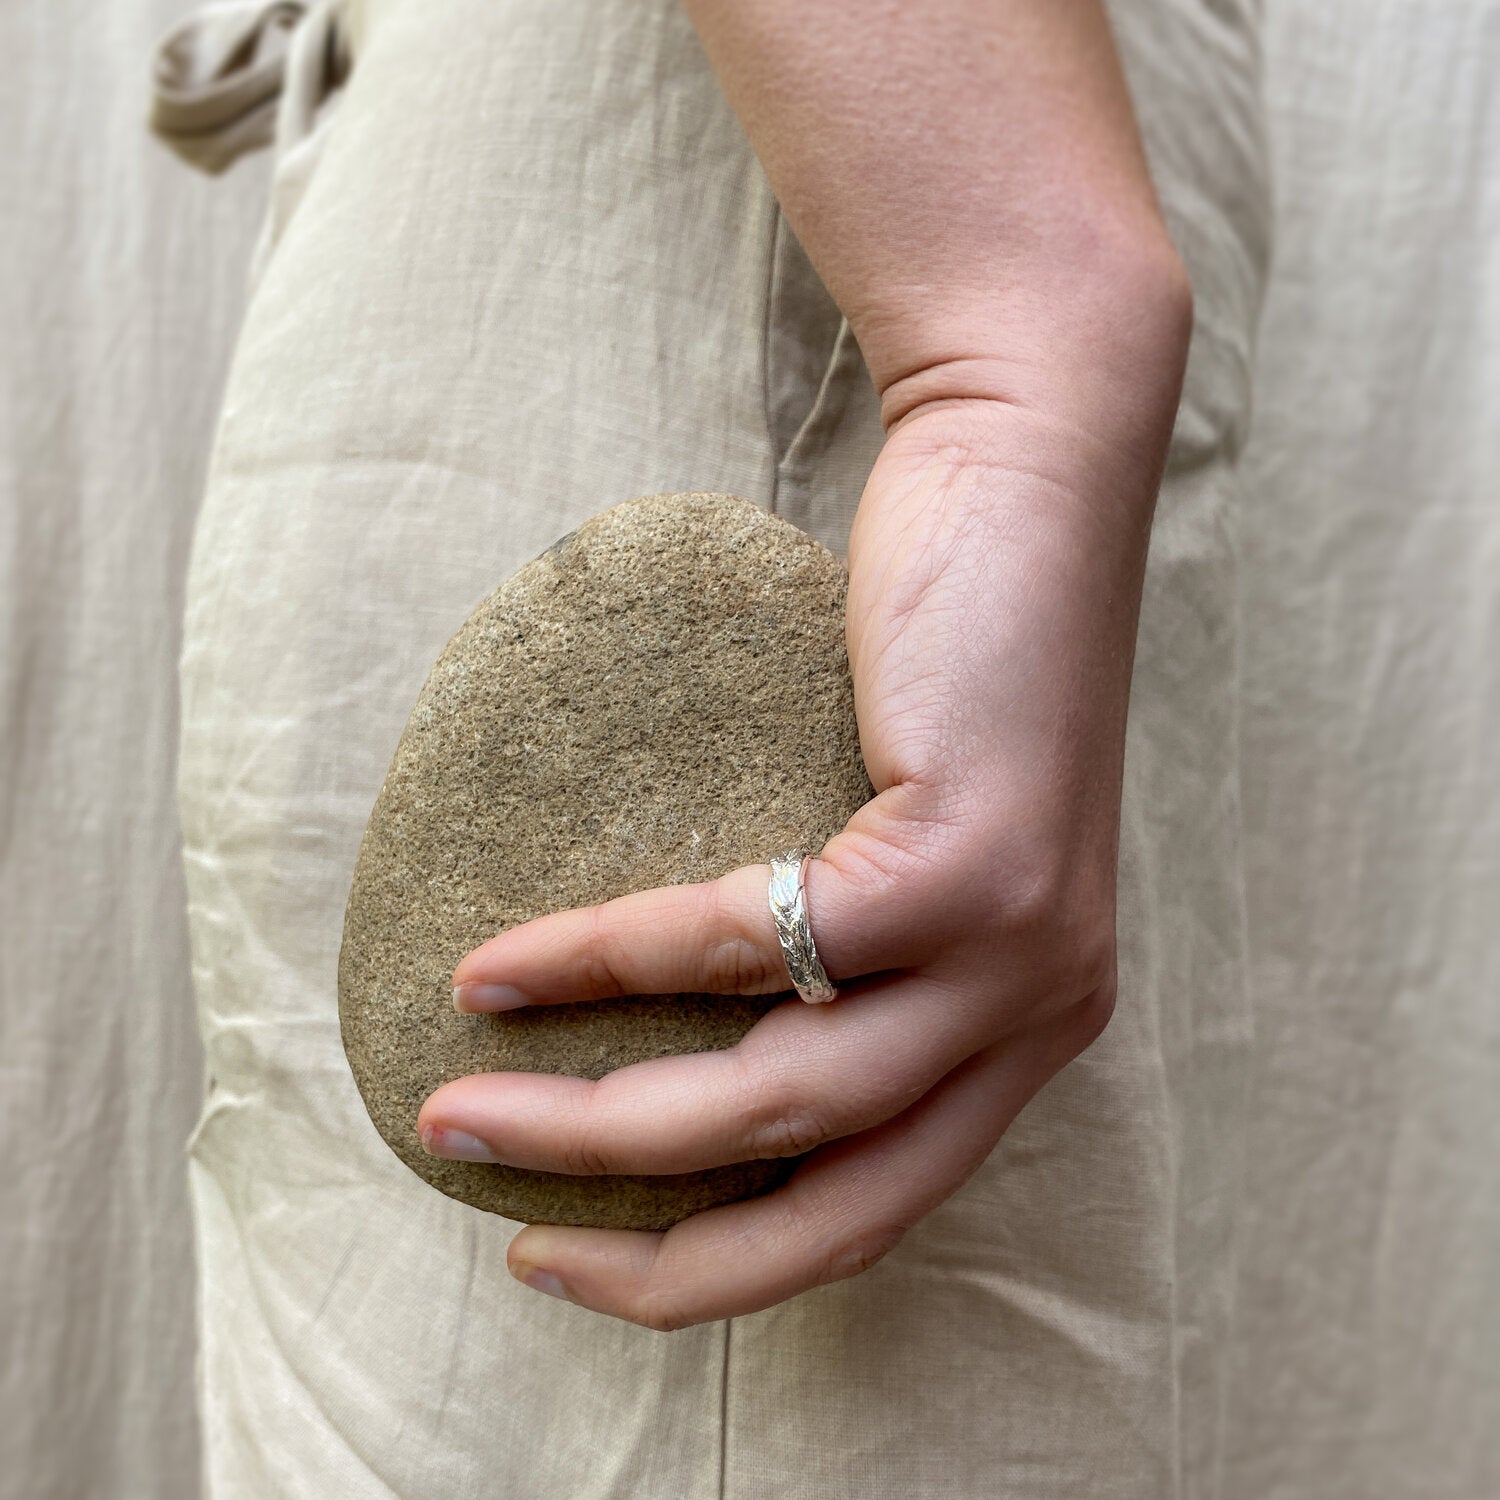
(661, 697)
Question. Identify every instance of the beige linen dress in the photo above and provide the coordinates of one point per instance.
(525, 265)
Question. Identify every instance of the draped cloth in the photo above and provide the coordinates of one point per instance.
(518, 263)
(530, 268)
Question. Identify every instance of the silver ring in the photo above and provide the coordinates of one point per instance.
(789, 911)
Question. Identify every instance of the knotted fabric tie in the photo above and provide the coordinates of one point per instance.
(218, 77)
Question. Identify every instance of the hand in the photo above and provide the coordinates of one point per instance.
(966, 913)
(967, 179)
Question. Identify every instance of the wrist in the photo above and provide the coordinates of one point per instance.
(1095, 331)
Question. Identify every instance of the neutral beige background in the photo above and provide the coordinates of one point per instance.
(121, 285)
(1366, 1361)
(1368, 1358)
(535, 267)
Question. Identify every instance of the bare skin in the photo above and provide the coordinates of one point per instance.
(967, 178)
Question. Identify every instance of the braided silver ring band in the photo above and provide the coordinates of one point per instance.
(789, 910)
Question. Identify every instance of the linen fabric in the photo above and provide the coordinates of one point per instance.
(1363, 1358)
(527, 267)
(535, 269)
(122, 289)
(1367, 1354)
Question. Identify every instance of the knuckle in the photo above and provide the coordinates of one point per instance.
(582, 1151)
(1090, 959)
(735, 966)
(1032, 900)
(854, 1253)
(1092, 1015)
(1076, 981)
(582, 1157)
(599, 958)
(660, 1312)
(735, 962)
(1064, 924)
(790, 1131)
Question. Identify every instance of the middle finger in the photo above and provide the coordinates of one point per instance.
(802, 1075)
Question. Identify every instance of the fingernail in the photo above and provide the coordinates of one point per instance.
(472, 999)
(455, 1145)
(541, 1281)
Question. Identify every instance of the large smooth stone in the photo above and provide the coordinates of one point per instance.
(663, 696)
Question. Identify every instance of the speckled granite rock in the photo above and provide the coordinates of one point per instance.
(661, 697)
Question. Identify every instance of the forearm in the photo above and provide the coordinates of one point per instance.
(967, 177)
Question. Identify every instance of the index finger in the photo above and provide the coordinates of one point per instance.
(868, 902)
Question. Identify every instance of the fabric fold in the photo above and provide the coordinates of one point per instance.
(236, 75)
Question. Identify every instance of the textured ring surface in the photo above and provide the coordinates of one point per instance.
(789, 910)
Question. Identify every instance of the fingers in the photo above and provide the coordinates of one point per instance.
(712, 937)
(840, 1212)
(868, 903)
(801, 1076)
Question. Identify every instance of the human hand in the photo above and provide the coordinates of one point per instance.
(966, 913)
(967, 179)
